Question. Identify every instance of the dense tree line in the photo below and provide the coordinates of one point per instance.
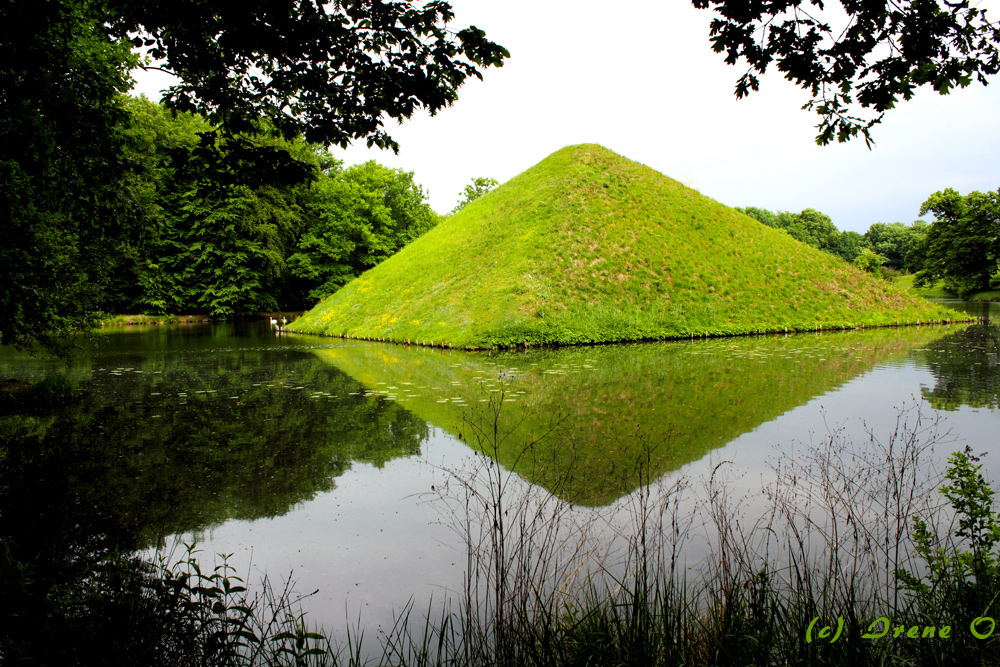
(230, 249)
(75, 186)
(961, 247)
(890, 246)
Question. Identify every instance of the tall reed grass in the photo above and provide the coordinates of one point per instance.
(830, 573)
(851, 553)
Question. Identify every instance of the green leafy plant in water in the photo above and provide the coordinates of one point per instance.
(127, 610)
(235, 629)
(962, 579)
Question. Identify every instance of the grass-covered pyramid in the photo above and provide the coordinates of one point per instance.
(587, 246)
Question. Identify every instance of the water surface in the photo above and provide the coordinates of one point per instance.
(327, 458)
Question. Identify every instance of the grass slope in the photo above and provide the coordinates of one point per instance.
(588, 246)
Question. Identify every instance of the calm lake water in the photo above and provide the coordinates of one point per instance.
(332, 461)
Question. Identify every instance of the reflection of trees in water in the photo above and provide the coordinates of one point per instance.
(175, 447)
(966, 368)
(173, 444)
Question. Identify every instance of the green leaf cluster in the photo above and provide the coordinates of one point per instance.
(229, 248)
(961, 575)
(963, 243)
(857, 59)
(474, 190)
(76, 198)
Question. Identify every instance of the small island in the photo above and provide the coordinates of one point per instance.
(590, 247)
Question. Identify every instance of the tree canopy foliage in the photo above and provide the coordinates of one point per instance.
(885, 249)
(65, 202)
(857, 58)
(474, 190)
(903, 247)
(229, 249)
(963, 242)
(358, 218)
(261, 73)
(329, 71)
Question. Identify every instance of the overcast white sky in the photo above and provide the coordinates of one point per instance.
(642, 80)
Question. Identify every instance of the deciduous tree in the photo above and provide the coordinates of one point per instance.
(963, 242)
(332, 72)
(474, 190)
(65, 198)
(358, 218)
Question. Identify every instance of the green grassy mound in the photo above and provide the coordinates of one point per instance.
(587, 247)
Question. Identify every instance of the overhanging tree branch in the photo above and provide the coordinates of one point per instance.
(885, 51)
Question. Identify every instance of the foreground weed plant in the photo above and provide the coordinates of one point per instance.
(959, 581)
(128, 611)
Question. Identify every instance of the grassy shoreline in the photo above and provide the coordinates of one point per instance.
(137, 320)
(105, 321)
(687, 336)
